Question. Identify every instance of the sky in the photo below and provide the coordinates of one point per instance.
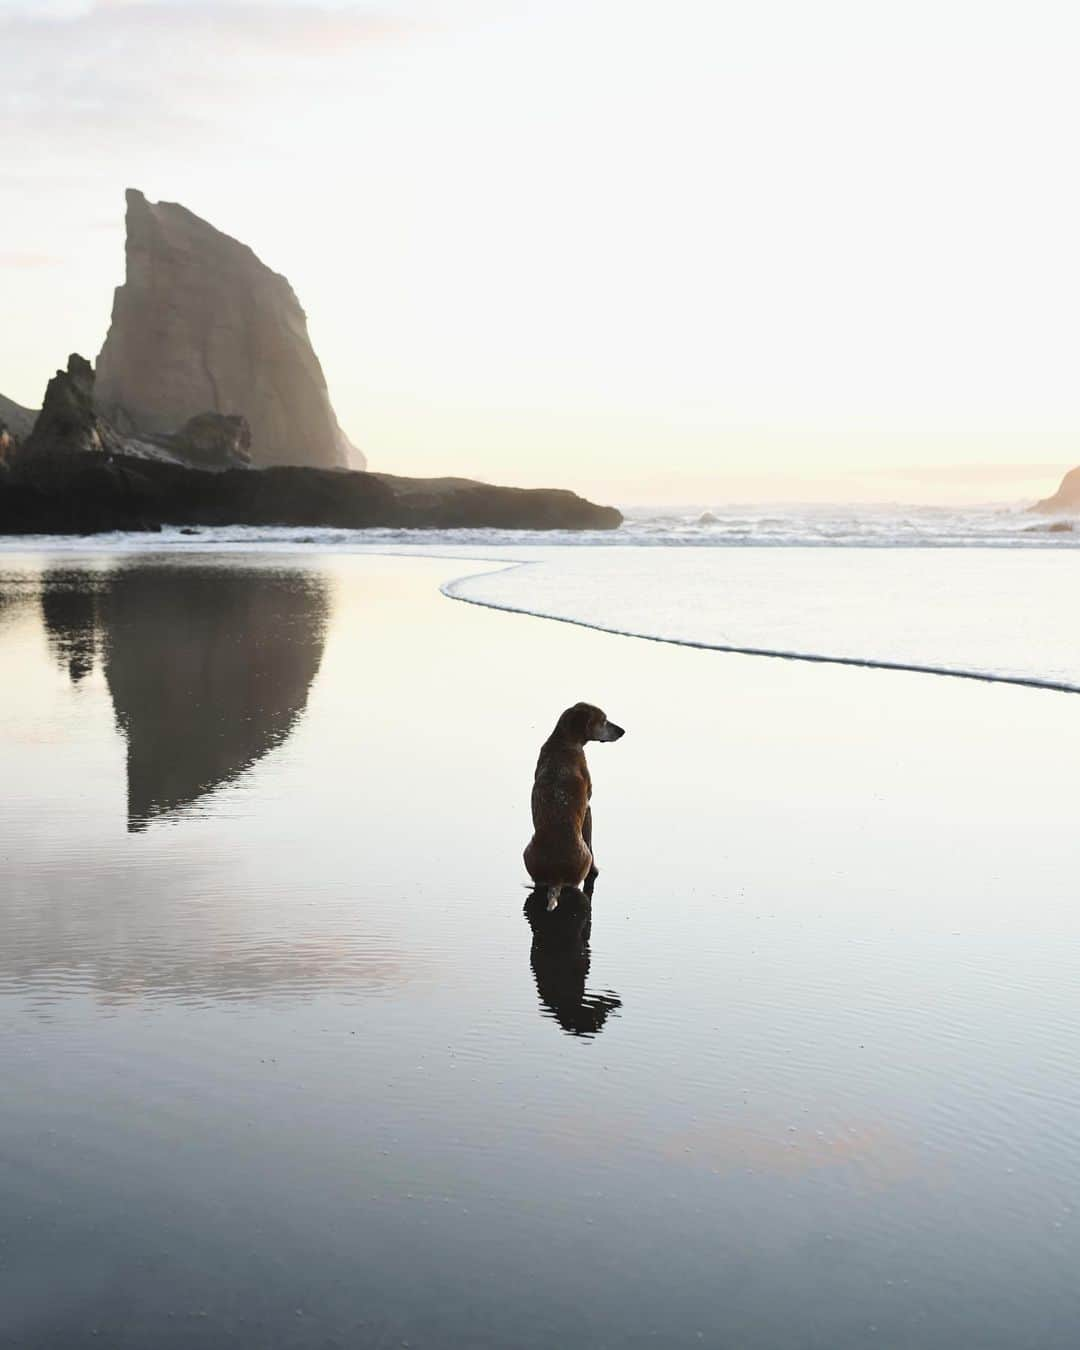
(693, 252)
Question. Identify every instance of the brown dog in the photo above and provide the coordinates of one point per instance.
(560, 852)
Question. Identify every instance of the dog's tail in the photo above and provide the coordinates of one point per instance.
(553, 897)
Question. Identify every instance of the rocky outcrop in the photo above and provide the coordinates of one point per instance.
(96, 494)
(216, 441)
(70, 436)
(92, 494)
(202, 324)
(1065, 499)
(15, 420)
(77, 474)
(209, 441)
(463, 503)
(69, 424)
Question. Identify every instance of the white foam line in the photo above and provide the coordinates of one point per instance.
(450, 590)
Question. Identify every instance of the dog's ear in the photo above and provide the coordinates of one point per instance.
(576, 722)
(591, 720)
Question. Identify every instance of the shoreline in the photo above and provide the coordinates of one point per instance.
(767, 653)
(451, 589)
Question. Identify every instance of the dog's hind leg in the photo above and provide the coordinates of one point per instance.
(586, 834)
(553, 897)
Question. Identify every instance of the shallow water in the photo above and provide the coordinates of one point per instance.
(973, 594)
(989, 613)
(283, 1067)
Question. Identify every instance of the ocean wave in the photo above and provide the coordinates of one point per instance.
(979, 615)
(765, 526)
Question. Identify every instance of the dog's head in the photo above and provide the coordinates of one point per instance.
(584, 722)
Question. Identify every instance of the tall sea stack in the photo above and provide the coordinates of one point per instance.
(201, 324)
(1066, 499)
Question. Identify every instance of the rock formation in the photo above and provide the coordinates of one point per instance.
(16, 420)
(69, 611)
(8, 444)
(209, 407)
(68, 424)
(202, 324)
(77, 474)
(463, 503)
(216, 441)
(1066, 498)
(209, 441)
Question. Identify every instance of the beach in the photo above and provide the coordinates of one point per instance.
(282, 1066)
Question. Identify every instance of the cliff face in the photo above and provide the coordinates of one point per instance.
(201, 324)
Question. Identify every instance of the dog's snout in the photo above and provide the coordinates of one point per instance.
(610, 732)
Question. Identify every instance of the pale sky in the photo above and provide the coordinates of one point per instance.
(691, 251)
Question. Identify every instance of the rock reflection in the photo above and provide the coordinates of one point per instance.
(560, 961)
(208, 669)
(69, 610)
(17, 596)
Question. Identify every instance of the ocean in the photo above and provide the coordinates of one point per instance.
(981, 593)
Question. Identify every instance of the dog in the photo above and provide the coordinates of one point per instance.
(560, 852)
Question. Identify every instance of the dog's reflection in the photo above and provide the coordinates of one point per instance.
(560, 961)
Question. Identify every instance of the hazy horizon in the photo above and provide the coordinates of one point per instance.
(715, 253)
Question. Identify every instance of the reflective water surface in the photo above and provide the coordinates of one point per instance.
(292, 1058)
(207, 669)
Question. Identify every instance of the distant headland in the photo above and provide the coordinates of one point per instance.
(208, 406)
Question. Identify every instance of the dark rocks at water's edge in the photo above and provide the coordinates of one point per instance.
(208, 441)
(1055, 527)
(1065, 499)
(209, 407)
(452, 503)
(77, 474)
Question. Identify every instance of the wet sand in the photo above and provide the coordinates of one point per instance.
(284, 1068)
